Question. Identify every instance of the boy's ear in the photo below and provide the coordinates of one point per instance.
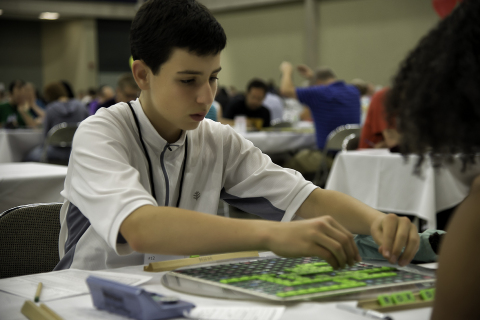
(140, 72)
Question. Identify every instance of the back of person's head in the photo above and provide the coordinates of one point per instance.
(436, 93)
(92, 91)
(162, 25)
(54, 91)
(361, 85)
(126, 80)
(257, 83)
(324, 74)
(127, 88)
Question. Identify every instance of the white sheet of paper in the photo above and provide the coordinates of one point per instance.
(432, 265)
(237, 313)
(62, 284)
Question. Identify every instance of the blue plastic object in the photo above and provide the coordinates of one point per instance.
(134, 302)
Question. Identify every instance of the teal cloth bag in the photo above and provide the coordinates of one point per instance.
(368, 249)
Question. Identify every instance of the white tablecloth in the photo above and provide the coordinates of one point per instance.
(273, 142)
(27, 183)
(81, 307)
(385, 182)
(16, 143)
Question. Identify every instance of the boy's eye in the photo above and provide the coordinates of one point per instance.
(187, 81)
(213, 79)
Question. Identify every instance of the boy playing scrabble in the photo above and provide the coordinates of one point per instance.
(146, 177)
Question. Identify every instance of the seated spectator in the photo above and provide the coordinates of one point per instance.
(35, 103)
(332, 102)
(17, 112)
(127, 90)
(104, 93)
(376, 133)
(435, 101)
(60, 109)
(222, 97)
(275, 105)
(250, 104)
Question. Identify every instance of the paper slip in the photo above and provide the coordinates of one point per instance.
(236, 313)
(63, 284)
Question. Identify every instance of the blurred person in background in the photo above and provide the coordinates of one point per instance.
(17, 112)
(127, 90)
(104, 93)
(332, 102)
(250, 104)
(376, 132)
(60, 109)
(89, 97)
(34, 102)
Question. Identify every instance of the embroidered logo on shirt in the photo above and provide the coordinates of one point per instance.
(196, 195)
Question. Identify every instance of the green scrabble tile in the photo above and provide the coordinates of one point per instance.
(385, 300)
(402, 297)
(427, 294)
(409, 296)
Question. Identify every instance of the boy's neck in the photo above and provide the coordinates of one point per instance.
(161, 125)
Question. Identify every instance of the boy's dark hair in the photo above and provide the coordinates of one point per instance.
(162, 25)
(257, 83)
(436, 94)
(15, 83)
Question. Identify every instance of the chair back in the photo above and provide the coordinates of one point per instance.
(29, 239)
(60, 135)
(335, 138)
(350, 142)
(334, 142)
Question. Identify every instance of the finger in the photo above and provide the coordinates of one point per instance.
(389, 229)
(345, 243)
(335, 248)
(325, 254)
(411, 248)
(401, 237)
(346, 238)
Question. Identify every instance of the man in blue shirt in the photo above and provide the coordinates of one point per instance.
(332, 102)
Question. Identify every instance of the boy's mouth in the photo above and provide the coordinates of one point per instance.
(198, 116)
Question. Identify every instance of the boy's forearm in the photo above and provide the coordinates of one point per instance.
(354, 215)
(167, 230)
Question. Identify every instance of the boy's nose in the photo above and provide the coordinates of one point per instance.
(206, 95)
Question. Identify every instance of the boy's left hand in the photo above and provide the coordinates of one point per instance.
(392, 234)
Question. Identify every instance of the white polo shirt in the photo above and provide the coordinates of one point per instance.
(108, 178)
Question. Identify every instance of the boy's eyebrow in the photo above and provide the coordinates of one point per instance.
(197, 72)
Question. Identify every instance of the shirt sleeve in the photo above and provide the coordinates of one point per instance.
(101, 180)
(307, 95)
(253, 183)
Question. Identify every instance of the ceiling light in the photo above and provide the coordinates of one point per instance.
(49, 15)
(1, 12)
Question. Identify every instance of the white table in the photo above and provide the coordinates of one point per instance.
(27, 183)
(81, 307)
(16, 143)
(385, 182)
(281, 141)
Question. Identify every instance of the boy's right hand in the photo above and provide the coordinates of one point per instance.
(323, 237)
